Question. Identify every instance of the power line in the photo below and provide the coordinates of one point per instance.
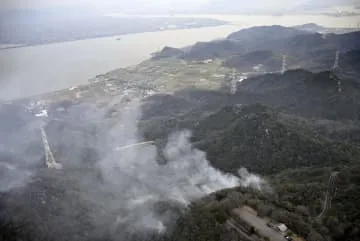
(336, 69)
(134, 145)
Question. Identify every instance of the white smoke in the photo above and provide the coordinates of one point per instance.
(141, 180)
(136, 193)
(18, 156)
(254, 181)
(12, 176)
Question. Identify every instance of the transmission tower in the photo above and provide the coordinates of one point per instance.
(233, 84)
(336, 62)
(284, 64)
(335, 70)
(49, 156)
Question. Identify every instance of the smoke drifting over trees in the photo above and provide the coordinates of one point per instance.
(124, 191)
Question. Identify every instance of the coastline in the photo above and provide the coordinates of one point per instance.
(36, 70)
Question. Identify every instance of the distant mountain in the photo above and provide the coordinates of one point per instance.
(44, 14)
(311, 27)
(265, 46)
(303, 93)
(291, 39)
(266, 33)
(167, 52)
(350, 61)
(246, 40)
(63, 24)
(302, 45)
(345, 42)
(214, 49)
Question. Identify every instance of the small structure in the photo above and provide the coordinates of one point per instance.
(246, 222)
(258, 68)
(207, 61)
(281, 228)
(42, 113)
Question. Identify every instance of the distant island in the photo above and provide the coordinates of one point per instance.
(33, 28)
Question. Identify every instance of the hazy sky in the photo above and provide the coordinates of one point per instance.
(152, 6)
(138, 3)
(55, 3)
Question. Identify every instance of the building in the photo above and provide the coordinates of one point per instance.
(246, 222)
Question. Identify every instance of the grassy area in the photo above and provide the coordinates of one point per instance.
(172, 74)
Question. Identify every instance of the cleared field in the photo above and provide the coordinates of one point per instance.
(171, 74)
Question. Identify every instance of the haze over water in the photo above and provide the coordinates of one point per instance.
(33, 70)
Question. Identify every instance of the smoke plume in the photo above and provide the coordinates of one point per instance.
(130, 191)
(18, 154)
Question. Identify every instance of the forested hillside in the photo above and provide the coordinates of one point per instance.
(155, 160)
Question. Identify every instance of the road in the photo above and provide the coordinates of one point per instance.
(330, 192)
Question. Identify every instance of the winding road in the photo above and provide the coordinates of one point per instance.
(330, 193)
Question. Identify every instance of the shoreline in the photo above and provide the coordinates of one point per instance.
(15, 47)
(66, 64)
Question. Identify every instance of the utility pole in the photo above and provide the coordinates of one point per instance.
(284, 64)
(49, 156)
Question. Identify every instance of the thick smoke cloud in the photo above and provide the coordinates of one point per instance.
(132, 192)
(142, 181)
